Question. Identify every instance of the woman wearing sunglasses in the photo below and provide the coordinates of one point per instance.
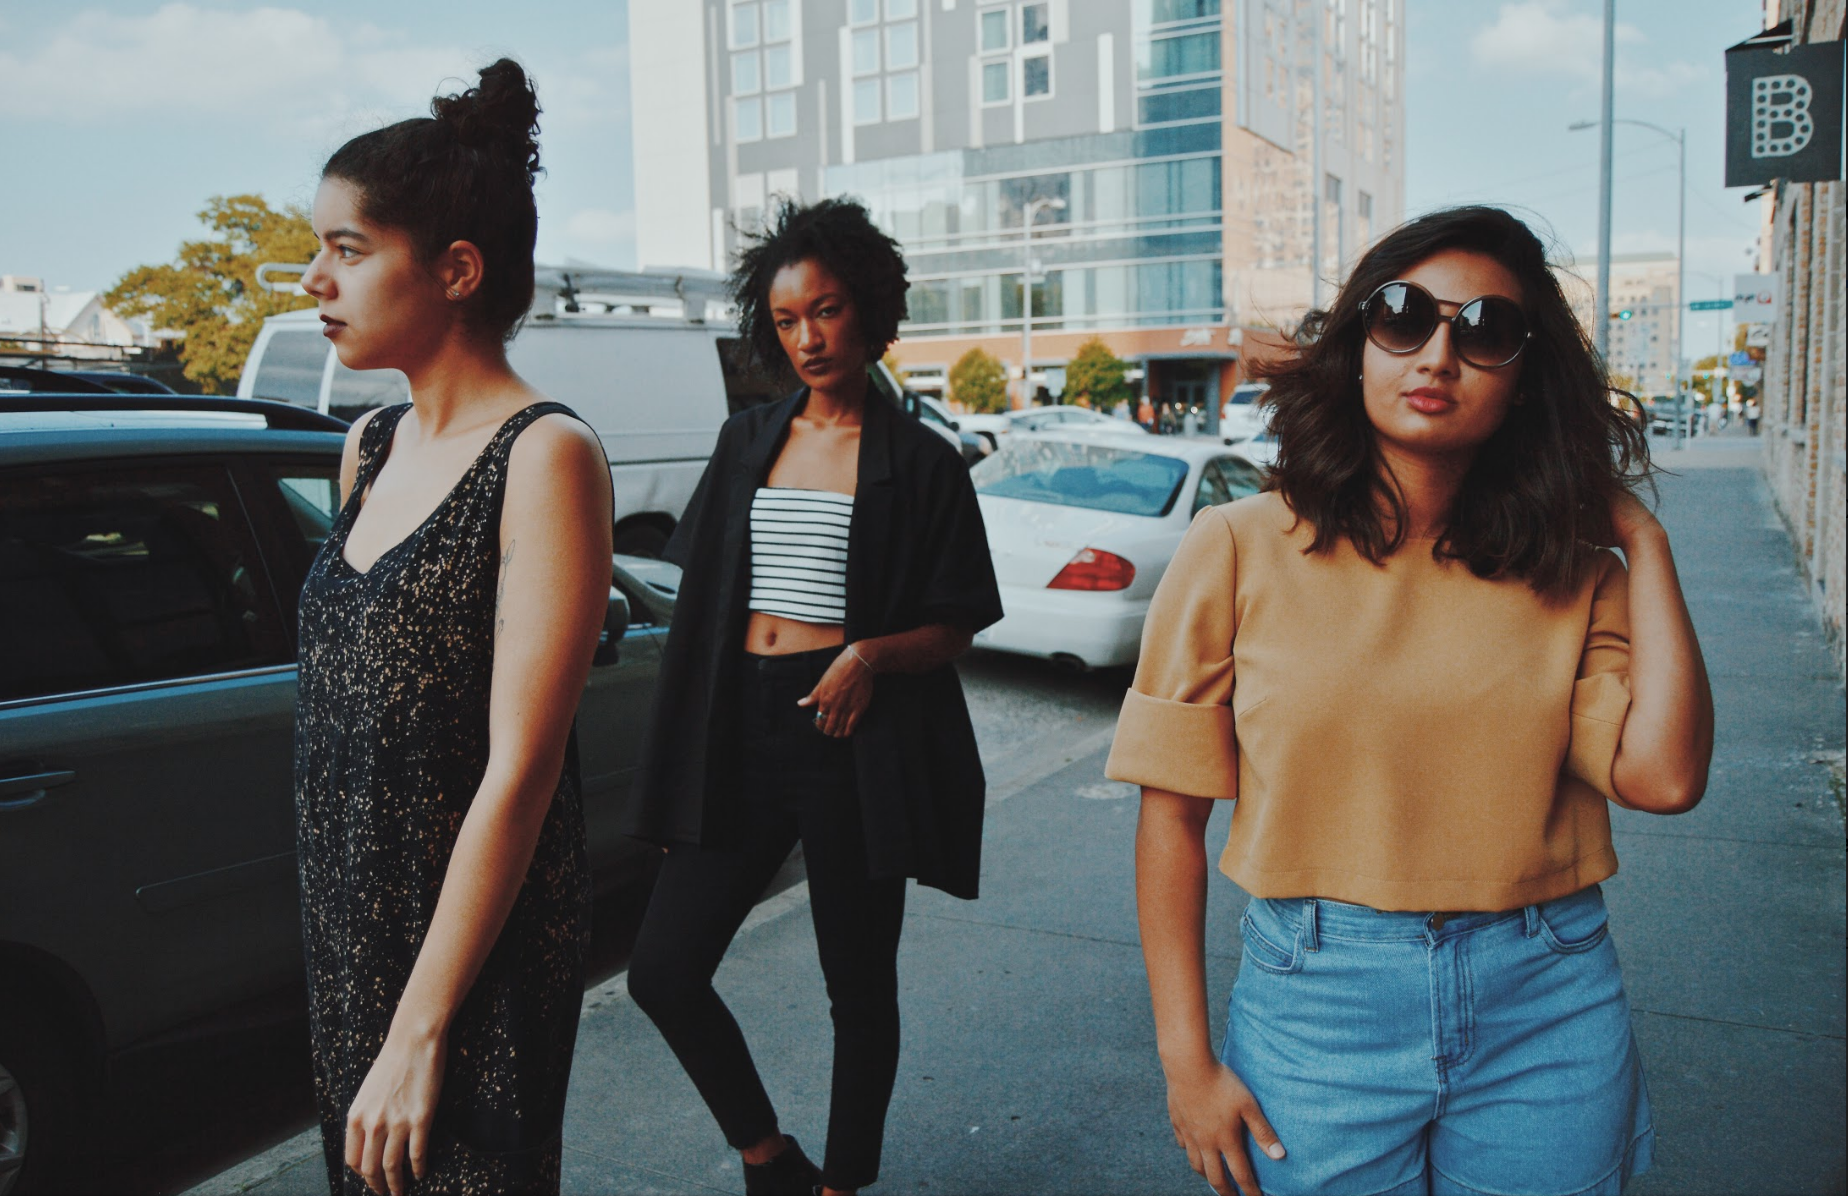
(1421, 678)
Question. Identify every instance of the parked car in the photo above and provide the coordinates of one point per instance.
(942, 420)
(1244, 414)
(1083, 525)
(994, 427)
(1662, 411)
(151, 551)
(655, 388)
(1256, 440)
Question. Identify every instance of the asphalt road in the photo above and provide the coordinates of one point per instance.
(187, 1110)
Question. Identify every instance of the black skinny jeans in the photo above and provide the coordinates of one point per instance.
(798, 784)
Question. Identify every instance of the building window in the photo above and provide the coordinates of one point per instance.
(1188, 54)
(1036, 76)
(1363, 214)
(743, 26)
(782, 111)
(902, 96)
(993, 30)
(994, 82)
(901, 46)
(1035, 24)
(748, 115)
(862, 12)
(776, 21)
(866, 52)
(866, 102)
(745, 77)
(779, 68)
(901, 10)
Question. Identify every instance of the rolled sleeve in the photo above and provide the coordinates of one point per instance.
(1176, 731)
(1601, 694)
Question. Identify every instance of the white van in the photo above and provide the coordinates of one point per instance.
(650, 373)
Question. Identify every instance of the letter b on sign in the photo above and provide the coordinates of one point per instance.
(1781, 123)
(1784, 114)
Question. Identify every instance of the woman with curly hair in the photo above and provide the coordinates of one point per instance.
(1421, 678)
(834, 566)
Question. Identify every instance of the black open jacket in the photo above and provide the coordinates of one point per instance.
(916, 554)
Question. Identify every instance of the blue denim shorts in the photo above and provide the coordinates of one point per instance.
(1404, 1053)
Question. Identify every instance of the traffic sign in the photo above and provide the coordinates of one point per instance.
(1711, 305)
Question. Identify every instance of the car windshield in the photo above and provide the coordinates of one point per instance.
(1244, 395)
(1082, 475)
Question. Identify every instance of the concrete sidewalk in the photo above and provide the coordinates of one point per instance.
(1029, 1060)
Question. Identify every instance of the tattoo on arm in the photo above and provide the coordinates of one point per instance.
(500, 589)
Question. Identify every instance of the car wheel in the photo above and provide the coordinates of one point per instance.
(38, 1105)
(640, 539)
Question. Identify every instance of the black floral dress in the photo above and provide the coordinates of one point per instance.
(391, 743)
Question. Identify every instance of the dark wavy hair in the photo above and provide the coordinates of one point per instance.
(841, 235)
(463, 173)
(1538, 491)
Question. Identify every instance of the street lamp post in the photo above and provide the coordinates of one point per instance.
(1027, 214)
(1602, 317)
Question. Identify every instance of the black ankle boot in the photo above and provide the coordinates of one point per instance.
(788, 1174)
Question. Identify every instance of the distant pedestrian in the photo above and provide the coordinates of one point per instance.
(1422, 683)
(1752, 413)
(447, 627)
(835, 564)
(1145, 413)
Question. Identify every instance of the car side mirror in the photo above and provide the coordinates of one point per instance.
(615, 626)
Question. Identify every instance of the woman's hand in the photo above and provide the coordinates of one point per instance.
(842, 694)
(389, 1123)
(1212, 1111)
(1630, 519)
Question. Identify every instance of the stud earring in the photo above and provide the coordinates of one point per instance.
(453, 293)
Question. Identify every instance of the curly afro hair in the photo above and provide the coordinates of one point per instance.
(841, 235)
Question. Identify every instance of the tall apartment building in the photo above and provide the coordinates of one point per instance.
(1167, 152)
(1642, 317)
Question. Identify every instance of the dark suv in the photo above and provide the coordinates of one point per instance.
(151, 552)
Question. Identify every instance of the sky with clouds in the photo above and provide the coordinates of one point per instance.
(127, 114)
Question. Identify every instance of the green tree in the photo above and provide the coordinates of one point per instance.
(979, 382)
(1094, 378)
(210, 294)
(890, 362)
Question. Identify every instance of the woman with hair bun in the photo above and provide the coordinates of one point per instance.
(447, 627)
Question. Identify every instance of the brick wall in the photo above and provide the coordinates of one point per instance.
(1805, 374)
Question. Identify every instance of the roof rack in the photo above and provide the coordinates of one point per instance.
(696, 290)
(283, 417)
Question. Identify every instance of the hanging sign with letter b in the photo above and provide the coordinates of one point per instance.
(1784, 114)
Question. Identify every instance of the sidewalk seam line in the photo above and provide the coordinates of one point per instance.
(1721, 1021)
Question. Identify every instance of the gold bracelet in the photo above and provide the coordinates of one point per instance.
(856, 655)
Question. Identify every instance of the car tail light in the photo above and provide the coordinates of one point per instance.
(1094, 569)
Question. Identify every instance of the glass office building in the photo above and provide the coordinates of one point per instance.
(1166, 151)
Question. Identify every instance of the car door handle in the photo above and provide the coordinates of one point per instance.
(28, 789)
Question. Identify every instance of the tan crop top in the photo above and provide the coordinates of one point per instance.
(1406, 736)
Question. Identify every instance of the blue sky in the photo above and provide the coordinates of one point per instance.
(122, 117)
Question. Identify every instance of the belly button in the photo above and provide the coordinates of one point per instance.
(770, 639)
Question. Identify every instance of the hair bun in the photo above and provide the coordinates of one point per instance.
(501, 113)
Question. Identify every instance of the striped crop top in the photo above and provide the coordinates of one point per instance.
(799, 553)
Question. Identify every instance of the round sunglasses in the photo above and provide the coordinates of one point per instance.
(1488, 332)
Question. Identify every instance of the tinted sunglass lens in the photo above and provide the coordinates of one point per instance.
(1400, 317)
(1490, 331)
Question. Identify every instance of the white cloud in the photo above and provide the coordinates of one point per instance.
(1550, 38)
(286, 70)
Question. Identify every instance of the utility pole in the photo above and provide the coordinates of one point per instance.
(1319, 12)
(1681, 266)
(1602, 320)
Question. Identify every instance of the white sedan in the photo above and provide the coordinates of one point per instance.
(993, 428)
(1082, 526)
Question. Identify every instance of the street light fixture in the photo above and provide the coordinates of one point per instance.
(1680, 138)
(1027, 213)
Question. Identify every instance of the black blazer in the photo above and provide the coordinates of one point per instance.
(916, 554)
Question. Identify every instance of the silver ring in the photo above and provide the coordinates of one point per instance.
(819, 715)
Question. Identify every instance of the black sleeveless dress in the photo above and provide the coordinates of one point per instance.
(391, 743)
